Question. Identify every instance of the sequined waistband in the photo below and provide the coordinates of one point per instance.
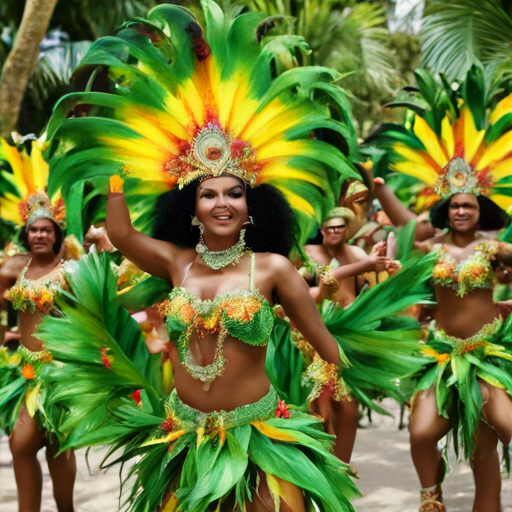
(43, 356)
(483, 335)
(263, 409)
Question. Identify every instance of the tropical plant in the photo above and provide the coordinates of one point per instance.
(456, 34)
(348, 36)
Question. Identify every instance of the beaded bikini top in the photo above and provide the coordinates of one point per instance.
(468, 275)
(29, 295)
(244, 314)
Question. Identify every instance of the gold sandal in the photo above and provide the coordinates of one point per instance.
(432, 499)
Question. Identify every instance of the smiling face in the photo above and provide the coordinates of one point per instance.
(334, 231)
(463, 212)
(41, 237)
(221, 206)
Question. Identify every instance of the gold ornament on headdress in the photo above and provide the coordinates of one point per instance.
(39, 206)
(211, 154)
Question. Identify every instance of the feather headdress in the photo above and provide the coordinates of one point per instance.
(187, 104)
(450, 142)
(23, 198)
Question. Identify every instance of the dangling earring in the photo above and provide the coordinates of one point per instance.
(249, 222)
(201, 246)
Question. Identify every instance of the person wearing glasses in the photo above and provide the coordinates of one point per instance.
(335, 253)
(376, 362)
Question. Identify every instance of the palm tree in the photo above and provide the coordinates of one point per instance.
(349, 36)
(36, 71)
(22, 60)
(459, 33)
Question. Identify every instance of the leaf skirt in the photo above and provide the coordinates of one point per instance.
(455, 367)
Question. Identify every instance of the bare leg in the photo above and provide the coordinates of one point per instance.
(426, 429)
(25, 441)
(263, 500)
(486, 470)
(63, 473)
(346, 417)
(497, 411)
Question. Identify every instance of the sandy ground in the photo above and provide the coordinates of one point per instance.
(381, 456)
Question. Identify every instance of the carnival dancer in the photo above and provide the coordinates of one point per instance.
(205, 116)
(381, 353)
(29, 427)
(465, 389)
(32, 297)
(335, 252)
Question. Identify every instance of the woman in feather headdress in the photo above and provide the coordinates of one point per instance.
(32, 296)
(239, 150)
(465, 157)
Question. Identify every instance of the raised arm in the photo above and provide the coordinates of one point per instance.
(152, 256)
(293, 295)
(398, 214)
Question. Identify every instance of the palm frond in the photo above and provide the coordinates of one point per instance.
(456, 34)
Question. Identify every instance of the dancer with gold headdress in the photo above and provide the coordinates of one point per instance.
(32, 297)
(464, 155)
(248, 176)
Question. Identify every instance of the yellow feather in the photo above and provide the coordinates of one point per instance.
(9, 208)
(12, 155)
(490, 380)
(167, 439)
(275, 490)
(40, 168)
(277, 148)
(504, 202)
(188, 93)
(502, 108)
(273, 432)
(498, 150)
(472, 137)
(171, 505)
(503, 169)
(279, 169)
(447, 136)
(31, 400)
(430, 140)
(271, 123)
(236, 108)
(157, 132)
(421, 171)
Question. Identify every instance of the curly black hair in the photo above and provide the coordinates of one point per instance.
(274, 228)
(492, 217)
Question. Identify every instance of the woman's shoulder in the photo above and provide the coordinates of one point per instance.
(274, 261)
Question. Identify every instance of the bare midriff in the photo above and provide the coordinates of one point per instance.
(27, 326)
(244, 380)
(463, 317)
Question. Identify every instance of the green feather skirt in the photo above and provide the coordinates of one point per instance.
(455, 367)
(185, 460)
(190, 461)
(21, 384)
(381, 350)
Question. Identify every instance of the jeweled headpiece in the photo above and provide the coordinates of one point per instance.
(39, 206)
(452, 145)
(186, 104)
(211, 154)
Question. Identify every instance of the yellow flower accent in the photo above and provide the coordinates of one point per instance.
(443, 271)
(207, 325)
(242, 308)
(440, 358)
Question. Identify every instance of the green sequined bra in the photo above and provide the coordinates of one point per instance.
(244, 314)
